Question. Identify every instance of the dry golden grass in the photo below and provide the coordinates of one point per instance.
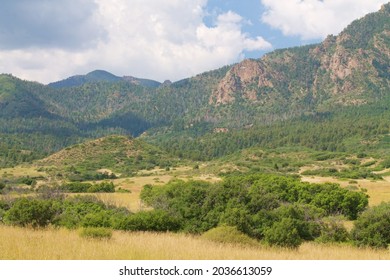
(130, 201)
(21, 171)
(52, 244)
(136, 183)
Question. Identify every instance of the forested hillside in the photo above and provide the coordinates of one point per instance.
(331, 96)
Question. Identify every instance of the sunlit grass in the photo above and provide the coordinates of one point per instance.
(60, 244)
(21, 171)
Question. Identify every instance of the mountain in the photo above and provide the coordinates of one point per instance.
(258, 101)
(349, 69)
(101, 76)
(17, 99)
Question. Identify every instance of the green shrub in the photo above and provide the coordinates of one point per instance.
(284, 233)
(80, 187)
(333, 231)
(352, 161)
(353, 203)
(155, 220)
(31, 212)
(99, 219)
(95, 232)
(237, 216)
(4, 205)
(76, 208)
(385, 163)
(253, 203)
(305, 218)
(27, 181)
(229, 234)
(369, 163)
(372, 228)
(361, 155)
(76, 187)
(103, 187)
(324, 156)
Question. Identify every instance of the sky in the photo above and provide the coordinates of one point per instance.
(46, 41)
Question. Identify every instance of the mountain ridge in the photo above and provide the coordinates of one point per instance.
(101, 76)
(340, 65)
(343, 72)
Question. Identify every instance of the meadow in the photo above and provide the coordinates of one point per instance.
(62, 244)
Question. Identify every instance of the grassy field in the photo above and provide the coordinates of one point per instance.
(24, 243)
(62, 244)
(21, 171)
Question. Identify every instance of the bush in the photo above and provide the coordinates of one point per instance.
(27, 181)
(284, 233)
(385, 163)
(29, 212)
(304, 217)
(95, 232)
(372, 228)
(155, 220)
(103, 187)
(4, 205)
(79, 187)
(333, 231)
(76, 208)
(99, 219)
(76, 187)
(253, 203)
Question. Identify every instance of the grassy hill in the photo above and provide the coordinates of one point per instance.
(112, 154)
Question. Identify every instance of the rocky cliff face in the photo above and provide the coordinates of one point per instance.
(348, 69)
(245, 78)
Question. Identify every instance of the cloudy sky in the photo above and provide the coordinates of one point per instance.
(45, 40)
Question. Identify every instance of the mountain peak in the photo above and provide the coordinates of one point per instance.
(101, 76)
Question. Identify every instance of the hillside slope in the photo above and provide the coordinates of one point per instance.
(119, 154)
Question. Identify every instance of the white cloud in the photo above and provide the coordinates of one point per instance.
(69, 24)
(145, 38)
(315, 19)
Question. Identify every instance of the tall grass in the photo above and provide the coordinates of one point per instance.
(62, 244)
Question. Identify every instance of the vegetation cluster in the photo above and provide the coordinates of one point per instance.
(270, 209)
